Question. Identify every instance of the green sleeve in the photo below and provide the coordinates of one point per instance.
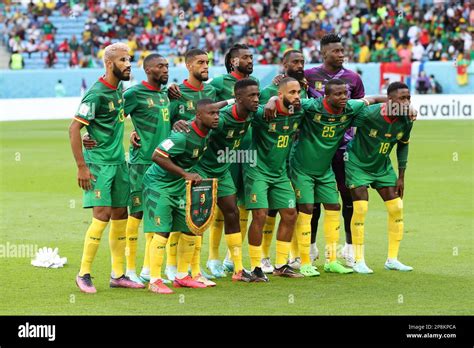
(402, 148)
(130, 101)
(265, 95)
(174, 105)
(257, 117)
(174, 145)
(311, 105)
(89, 103)
(360, 112)
(218, 84)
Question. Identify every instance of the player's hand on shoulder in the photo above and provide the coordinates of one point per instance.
(181, 126)
(88, 142)
(135, 140)
(276, 80)
(84, 177)
(194, 177)
(270, 109)
(174, 92)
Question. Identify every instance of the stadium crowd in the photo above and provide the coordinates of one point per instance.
(374, 32)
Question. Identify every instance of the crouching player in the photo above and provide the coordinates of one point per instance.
(368, 163)
(164, 195)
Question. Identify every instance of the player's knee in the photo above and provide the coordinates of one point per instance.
(259, 215)
(289, 216)
(306, 208)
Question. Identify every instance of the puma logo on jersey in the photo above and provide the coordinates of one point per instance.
(373, 133)
(111, 106)
(195, 153)
(230, 133)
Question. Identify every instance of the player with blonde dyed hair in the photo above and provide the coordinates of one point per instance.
(102, 171)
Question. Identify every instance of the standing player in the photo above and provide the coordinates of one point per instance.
(369, 164)
(102, 171)
(239, 65)
(332, 68)
(293, 66)
(267, 185)
(148, 106)
(164, 194)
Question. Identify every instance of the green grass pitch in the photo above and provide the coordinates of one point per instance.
(41, 205)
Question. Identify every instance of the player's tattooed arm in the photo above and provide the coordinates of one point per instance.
(174, 92)
(88, 142)
(84, 176)
(270, 108)
(167, 164)
(135, 139)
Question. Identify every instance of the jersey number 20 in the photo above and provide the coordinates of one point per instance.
(283, 141)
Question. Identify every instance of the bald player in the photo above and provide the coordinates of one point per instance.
(102, 171)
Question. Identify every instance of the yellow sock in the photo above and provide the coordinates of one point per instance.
(131, 242)
(215, 235)
(303, 231)
(255, 253)
(331, 229)
(357, 227)
(172, 249)
(234, 243)
(157, 252)
(117, 242)
(282, 250)
(91, 244)
(186, 246)
(244, 220)
(146, 259)
(267, 236)
(395, 226)
(196, 261)
(294, 250)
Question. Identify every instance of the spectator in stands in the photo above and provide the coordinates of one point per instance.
(31, 47)
(74, 59)
(436, 87)
(418, 52)
(16, 61)
(60, 90)
(64, 46)
(48, 29)
(423, 85)
(383, 88)
(51, 58)
(404, 53)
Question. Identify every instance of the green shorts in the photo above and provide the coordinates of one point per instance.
(356, 177)
(137, 171)
(111, 188)
(163, 212)
(268, 193)
(310, 189)
(225, 184)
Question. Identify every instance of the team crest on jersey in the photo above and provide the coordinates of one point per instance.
(150, 102)
(190, 105)
(373, 133)
(317, 118)
(230, 133)
(97, 194)
(136, 201)
(253, 198)
(111, 106)
(318, 85)
(195, 153)
(343, 118)
(157, 221)
(399, 135)
(272, 127)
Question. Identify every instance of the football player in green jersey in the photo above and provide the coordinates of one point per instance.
(239, 65)
(102, 171)
(368, 163)
(267, 185)
(293, 66)
(164, 194)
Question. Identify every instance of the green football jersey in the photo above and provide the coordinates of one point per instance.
(184, 108)
(185, 150)
(272, 90)
(225, 141)
(375, 138)
(101, 110)
(272, 142)
(224, 85)
(149, 110)
(321, 133)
